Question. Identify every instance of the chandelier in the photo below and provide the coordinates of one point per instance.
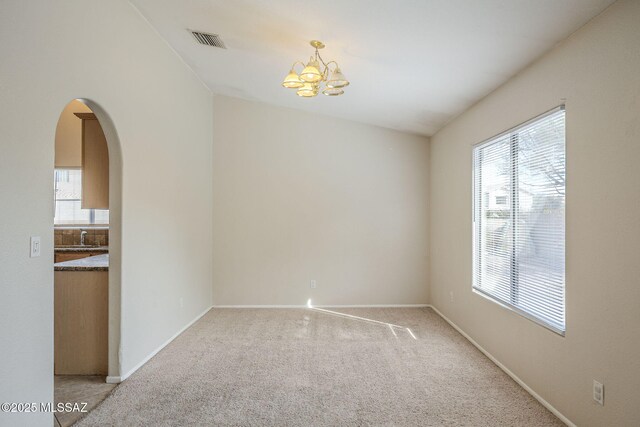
(315, 73)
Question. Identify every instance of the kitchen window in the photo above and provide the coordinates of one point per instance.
(68, 201)
(519, 245)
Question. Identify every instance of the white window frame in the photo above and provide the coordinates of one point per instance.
(478, 291)
(92, 212)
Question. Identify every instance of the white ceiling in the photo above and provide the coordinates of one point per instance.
(413, 65)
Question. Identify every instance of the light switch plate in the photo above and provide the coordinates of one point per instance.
(598, 392)
(35, 246)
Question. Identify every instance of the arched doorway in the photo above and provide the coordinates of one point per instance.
(87, 262)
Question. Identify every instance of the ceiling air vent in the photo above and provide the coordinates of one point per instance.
(208, 39)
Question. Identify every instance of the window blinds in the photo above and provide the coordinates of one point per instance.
(518, 219)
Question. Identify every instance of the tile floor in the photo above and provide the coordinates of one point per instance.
(78, 389)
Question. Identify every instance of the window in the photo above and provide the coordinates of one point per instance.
(68, 199)
(519, 241)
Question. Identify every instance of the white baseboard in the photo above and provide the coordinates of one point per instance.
(539, 398)
(326, 306)
(117, 380)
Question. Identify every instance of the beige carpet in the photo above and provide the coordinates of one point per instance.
(308, 367)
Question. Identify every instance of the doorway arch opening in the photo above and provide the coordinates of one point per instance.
(88, 231)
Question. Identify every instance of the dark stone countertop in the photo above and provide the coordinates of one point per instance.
(92, 263)
(78, 248)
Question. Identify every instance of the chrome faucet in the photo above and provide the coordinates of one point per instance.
(83, 233)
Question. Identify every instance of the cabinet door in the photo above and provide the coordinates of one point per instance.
(81, 322)
(95, 166)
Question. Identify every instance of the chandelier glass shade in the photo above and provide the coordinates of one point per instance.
(333, 91)
(308, 90)
(337, 79)
(311, 73)
(314, 74)
(292, 81)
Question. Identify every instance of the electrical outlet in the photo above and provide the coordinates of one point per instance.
(313, 284)
(451, 296)
(598, 392)
(35, 246)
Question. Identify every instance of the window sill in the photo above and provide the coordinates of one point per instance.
(520, 312)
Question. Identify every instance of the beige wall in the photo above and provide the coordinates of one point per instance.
(53, 52)
(301, 197)
(597, 72)
(68, 148)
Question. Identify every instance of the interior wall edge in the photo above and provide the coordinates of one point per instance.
(506, 370)
(116, 379)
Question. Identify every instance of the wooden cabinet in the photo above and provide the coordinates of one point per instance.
(95, 164)
(81, 320)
